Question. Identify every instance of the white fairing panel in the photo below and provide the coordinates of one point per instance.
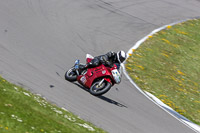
(89, 56)
(116, 76)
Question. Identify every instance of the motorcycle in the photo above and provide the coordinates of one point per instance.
(98, 80)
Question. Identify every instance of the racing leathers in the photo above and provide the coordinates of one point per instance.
(108, 60)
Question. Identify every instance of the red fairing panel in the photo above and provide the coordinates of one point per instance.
(94, 73)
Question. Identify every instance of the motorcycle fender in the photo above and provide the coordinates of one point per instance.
(108, 80)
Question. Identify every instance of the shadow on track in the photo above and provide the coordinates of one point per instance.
(111, 101)
(103, 97)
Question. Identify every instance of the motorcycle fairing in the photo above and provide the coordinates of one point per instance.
(116, 75)
(97, 72)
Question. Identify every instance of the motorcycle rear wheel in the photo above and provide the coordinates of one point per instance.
(71, 75)
(100, 90)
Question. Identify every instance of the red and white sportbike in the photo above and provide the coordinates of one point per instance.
(98, 80)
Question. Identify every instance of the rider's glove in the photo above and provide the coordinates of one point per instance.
(109, 64)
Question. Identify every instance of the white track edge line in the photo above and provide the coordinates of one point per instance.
(151, 97)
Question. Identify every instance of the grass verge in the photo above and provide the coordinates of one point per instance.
(23, 112)
(167, 65)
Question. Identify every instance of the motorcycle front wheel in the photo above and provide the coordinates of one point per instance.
(71, 75)
(97, 90)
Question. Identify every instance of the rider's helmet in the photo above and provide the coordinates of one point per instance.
(121, 56)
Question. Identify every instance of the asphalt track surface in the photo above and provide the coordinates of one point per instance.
(40, 40)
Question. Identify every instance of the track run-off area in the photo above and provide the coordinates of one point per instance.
(40, 40)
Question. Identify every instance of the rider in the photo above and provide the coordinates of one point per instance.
(108, 59)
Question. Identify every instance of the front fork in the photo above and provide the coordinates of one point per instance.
(105, 79)
(100, 83)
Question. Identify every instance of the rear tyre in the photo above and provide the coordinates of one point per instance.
(97, 90)
(71, 75)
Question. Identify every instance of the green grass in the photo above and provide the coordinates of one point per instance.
(167, 65)
(23, 112)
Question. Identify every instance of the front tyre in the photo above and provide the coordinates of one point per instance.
(97, 90)
(71, 75)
